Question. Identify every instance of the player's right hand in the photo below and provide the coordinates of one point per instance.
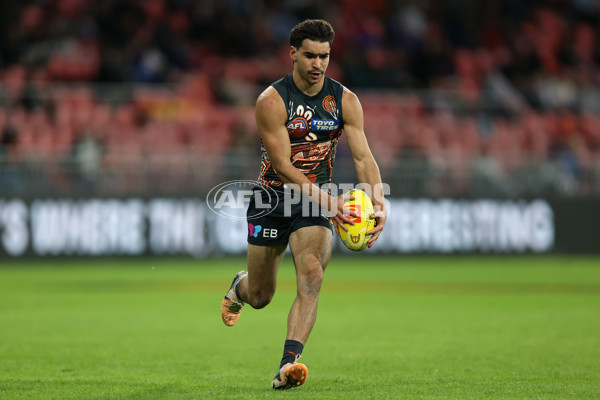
(343, 215)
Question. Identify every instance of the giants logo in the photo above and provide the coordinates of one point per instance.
(297, 127)
(329, 104)
(355, 239)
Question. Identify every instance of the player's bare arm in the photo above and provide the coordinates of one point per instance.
(367, 169)
(271, 118)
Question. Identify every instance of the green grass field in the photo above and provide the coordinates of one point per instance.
(388, 328)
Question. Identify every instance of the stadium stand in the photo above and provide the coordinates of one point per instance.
(460, 98)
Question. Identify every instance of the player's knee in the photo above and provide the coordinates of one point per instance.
(314, 276)
(260, 300)
(309, 282)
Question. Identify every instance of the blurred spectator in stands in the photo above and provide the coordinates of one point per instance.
(33, 94)
(88, 153)
(557, 92)
(11, 171)
(8, 142)
(536, 174)
(414, 161)
(486, 177)
(498, 94)
(76, 57)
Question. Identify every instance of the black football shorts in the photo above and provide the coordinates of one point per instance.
(271, 221)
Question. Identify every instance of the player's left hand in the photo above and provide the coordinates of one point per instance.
(380, 217)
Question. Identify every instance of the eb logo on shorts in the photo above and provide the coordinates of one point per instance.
(256, 229)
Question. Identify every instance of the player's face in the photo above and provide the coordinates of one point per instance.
(311, 60)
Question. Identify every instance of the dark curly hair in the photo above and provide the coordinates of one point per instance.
(313, 29)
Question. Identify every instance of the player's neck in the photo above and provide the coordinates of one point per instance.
(307, 87)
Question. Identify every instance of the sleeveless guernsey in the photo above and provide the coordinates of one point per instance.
(314, 124)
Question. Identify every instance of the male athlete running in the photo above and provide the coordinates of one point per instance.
(300, 118)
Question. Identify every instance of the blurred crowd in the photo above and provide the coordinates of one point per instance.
(495, 96)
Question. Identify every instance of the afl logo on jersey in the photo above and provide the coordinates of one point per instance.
(297, 127)
(329, 104)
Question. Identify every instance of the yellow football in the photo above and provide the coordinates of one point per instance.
(356, 237)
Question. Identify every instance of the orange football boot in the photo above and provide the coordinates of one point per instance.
(290, 375)
(231, 306)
